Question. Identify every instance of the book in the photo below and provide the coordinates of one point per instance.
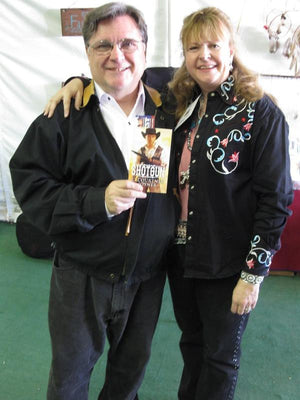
(150, 156)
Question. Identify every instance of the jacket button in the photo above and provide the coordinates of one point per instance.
(193, 162)
(191, 213)
(192, 187)
(189, 238)
(112, 276)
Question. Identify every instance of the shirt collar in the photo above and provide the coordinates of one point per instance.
(103, 96)
(225, 91)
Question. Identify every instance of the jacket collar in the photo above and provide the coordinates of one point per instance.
(89, 92)
(225, 91)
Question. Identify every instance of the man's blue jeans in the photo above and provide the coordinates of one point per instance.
(83, 311)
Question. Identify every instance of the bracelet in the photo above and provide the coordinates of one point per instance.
(249, 278)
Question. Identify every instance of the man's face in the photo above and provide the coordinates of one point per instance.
(150, 140)
(118, 72)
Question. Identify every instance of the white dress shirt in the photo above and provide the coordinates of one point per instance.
(121, 126)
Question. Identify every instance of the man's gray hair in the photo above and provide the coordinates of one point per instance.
(110, 11)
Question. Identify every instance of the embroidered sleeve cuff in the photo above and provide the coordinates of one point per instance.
(250, 278)
(259, 258)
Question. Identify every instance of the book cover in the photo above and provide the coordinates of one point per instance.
(150, 156)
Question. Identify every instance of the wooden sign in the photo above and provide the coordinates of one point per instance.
(72, 20)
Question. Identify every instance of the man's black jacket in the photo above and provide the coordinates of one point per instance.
(59, 174)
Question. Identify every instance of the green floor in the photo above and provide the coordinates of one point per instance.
(270, 368)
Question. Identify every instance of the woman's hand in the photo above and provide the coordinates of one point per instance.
(244, 297)
(73, 89)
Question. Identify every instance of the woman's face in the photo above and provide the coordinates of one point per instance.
(208, 61)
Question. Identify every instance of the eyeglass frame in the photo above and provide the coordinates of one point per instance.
(112, 45)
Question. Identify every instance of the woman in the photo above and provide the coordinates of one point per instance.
(235, 187)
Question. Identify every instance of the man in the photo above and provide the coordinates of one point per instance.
(70, 179)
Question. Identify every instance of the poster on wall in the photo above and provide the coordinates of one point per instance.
(72, 20)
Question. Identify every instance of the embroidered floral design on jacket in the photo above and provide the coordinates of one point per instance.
(217, 154)
(258, 254)
(227, 86)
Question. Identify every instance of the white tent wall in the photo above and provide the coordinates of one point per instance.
(36, 59)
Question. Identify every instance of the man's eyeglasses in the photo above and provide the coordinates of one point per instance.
(105, 47)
